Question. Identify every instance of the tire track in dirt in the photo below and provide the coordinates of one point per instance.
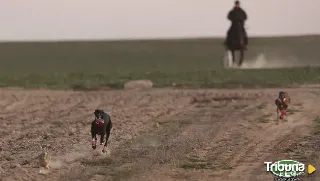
(242, 162)
(221, 136)
(18, 139)
(79, 104)
(251, 141)
(58, 121)
(292, 132)
(134, 122)
(225, 128)
(205, 123)
(251, 157)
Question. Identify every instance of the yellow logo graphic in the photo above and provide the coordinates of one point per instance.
(311, 169)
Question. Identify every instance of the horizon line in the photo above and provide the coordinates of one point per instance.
(148, 39)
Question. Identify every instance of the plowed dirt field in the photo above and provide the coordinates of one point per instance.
(159, 134)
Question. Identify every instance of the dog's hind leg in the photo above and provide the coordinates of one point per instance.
(108, 130)
(102, 138)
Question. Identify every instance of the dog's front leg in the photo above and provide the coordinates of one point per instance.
(94, 141)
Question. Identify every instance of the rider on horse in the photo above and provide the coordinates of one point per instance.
(237, 15)
(101, 125)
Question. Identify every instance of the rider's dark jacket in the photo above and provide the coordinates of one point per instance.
(237, 14)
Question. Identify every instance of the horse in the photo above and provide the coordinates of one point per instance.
(236, 40)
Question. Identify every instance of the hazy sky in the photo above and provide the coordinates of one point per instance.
(112, 19)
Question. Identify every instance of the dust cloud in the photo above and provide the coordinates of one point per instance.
(75, 155)
(262, 62)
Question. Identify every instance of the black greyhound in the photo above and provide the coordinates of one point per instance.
(100, 126)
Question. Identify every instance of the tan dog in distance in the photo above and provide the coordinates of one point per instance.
(282, 103)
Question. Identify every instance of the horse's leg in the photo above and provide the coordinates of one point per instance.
(241, 56)
(233, 56)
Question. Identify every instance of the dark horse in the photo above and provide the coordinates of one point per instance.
(236, 40)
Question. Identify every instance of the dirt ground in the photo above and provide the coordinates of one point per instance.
(159, 134)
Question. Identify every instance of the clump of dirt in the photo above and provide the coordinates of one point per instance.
(138, 84)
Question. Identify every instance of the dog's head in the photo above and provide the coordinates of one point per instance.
(98, 113)
(282, 95)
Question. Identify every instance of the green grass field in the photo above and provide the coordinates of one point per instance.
(193, 62)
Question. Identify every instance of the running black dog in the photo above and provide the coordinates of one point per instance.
(100, 126)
